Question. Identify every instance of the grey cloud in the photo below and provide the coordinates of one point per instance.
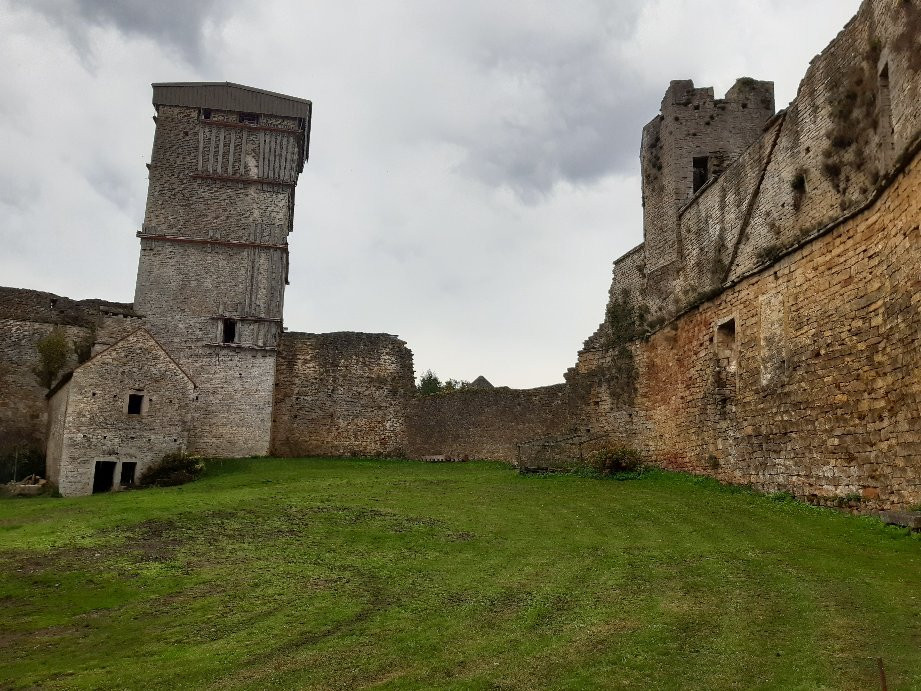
(562, 106)
(179, 24)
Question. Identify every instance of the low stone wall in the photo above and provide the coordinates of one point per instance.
(487, 424)
(341, 394)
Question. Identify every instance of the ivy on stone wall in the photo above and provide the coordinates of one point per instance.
(855, 117)
(908, 42)
(625, 322)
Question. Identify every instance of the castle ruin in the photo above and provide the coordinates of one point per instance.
(766, 332)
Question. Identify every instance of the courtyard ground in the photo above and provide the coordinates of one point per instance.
(312, 573)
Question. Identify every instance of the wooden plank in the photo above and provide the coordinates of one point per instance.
(243, 143)
(262, 161)
(284, 159)
(233, 141)
(201, 146)
(258, 153)
(247, 295)
(220, 150)
(211, 150)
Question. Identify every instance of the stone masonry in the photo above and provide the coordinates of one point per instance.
(214, 252)
(783, 350)
(129, 404)
(342, 394)
(27, 316)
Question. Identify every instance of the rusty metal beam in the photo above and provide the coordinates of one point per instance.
(237, 178)
(207, 241)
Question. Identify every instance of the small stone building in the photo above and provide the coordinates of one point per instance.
(117, 414)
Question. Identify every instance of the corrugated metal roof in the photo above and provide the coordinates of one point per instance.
(235, 97)
(229, 96)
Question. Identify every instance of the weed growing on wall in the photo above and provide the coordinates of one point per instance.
(854, 117)
(83, 347)
(625, 322)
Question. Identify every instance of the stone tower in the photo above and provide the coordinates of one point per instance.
(689, 143)
(214, 252)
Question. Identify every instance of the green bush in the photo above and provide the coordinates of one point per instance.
(175, 468)
(52, 351)
(618, 459)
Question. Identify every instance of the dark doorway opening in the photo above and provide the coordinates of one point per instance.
(701, 171)
(103, 476)
(135, 403)
(127, 476)
(230, 331)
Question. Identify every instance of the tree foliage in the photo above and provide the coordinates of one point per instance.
(53, 350)
(430, 384)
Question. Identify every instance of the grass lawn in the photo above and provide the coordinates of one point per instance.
(314, 573)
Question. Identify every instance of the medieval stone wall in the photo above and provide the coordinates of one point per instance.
(487, 424)
(803, 377)
(342, 394)
(22, 398)
(26, 317)
(857, 110)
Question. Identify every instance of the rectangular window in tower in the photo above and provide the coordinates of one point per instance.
(701, 171)
(249, 118)
(230, 331)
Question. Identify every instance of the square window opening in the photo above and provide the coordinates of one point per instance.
(249, 118)
(230, 331)
(701, 171)
(135, 403)
(205, 113)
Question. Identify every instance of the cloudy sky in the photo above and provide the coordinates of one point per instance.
(474, 164)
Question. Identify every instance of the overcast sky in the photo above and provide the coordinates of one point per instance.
(474, 164)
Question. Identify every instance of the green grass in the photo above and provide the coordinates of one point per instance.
(389, 574)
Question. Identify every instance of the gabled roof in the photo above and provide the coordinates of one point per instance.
(69, 375)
